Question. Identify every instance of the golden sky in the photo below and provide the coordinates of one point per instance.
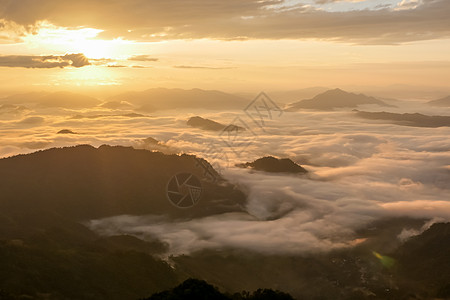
(234, 45)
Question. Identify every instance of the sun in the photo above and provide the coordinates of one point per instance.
(95, 49)
(75, 40)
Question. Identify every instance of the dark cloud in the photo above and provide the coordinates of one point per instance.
(78, 60)
(143, 58)
(10, 32)
(238, 20)
(101, 61)
(52, 61)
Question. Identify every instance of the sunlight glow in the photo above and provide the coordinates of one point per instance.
(76, 40)
(91, 76)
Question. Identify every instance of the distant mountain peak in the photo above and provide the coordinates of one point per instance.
(443, 102)
(66, 131)
(407, 119)
(274, 165)
(207, 124)
(335, 98)
(54, 99)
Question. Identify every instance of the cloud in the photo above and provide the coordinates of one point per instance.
(51, 61)
(334, 1)
(10, 32)
(154, 145)
(116, 66)
(10, 110)
(408, 4)
(385, 172)
(358, 173)
(420, 209)
(290, 215)
(201, 67)
(143, 58)
(238, 20)
(77, 60)
(35, 120)
(36, 145)
(407, 233)
(228, 230)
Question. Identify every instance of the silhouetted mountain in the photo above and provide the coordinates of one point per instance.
(424, 260)
(161, 98)
(332, 99)
(194, 289)
(272, 164)
(61, 267)
(416, 119)
(117, 105)
(12, 109)
(66, 131)
(45, 250)
(47, 253)
(127, 115)
(443, 102)
(207, 124)
(349, 273)
(84, 183)
(55, 99)
(293, 95)
(30, 97)
(191, 289)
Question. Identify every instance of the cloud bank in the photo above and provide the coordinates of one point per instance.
(359, 172)
(238, 20)
(143, 58)
(50, 61)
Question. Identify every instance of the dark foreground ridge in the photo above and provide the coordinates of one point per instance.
(46, 251)
(274, 165)
(84, 182)
(194, 289)
(67, 261)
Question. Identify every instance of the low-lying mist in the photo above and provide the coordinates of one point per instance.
(360, 171)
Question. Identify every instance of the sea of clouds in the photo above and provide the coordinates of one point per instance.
(359, 171)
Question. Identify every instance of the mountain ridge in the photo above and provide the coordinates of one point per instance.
(407, 119)
(442, 102)
(84, 182)
(63, 99)
(335, 98)
(163, 98)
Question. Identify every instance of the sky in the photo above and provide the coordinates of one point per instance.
(234, 45)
